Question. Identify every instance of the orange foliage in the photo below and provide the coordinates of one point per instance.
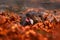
(11, 29)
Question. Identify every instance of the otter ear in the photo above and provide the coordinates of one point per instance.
(27, 15)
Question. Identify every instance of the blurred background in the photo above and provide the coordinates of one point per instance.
(19, 5)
